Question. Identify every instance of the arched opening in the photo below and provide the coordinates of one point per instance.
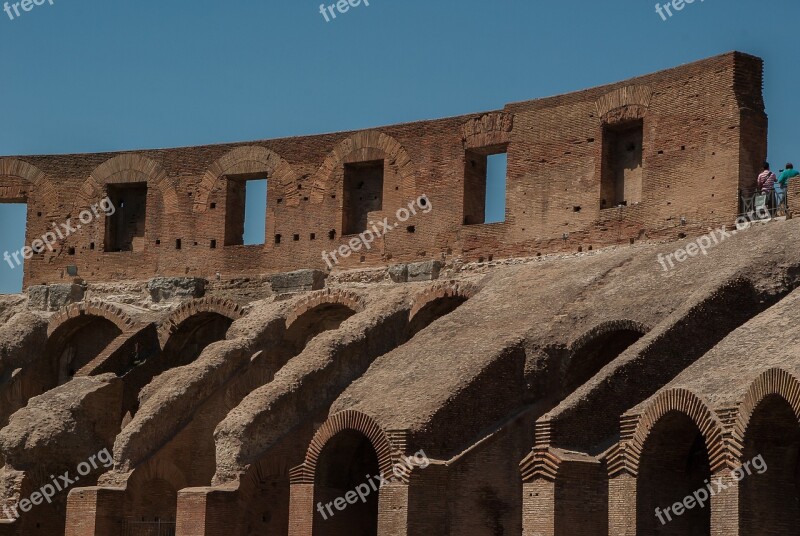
(151, 508)
(674, 464)
(347, 462)
(432, 311)
(75, 343)
(323, 317)
(192, 336)
(591, 355)
(769, 497)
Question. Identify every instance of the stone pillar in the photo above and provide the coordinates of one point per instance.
(207, 512)
(94, 511)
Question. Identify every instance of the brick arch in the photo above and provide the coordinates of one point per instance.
(394, 153)
(441, 290)
(161, 469)
(625, 103)
(342, 297)
(222, 306)
(604, 328)
(91, 308)
(40, 184)
(128, 167)
(774, 381)
(626, 456)
(490, 129)
(345, 420)
(249, 159)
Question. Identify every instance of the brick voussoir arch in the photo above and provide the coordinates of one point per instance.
(346, 420)
(636, 428)
(124, 168)
(41, 185)
(369, 139)
(161, 469)
(625, 103)
(222, 306)
(342, 297)
(92, 308)
(249, 159)
(774, 381)
(488, 130)
(447, 289)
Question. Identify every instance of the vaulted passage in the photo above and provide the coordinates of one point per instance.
(769, 498)
(674, 464)
(433, 311)
(592, 355)
(76, 343)
(347, 462)
(152, 511)
(324, 317)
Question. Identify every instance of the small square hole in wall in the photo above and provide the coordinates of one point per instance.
(332, 234)
(213, 205)
(277, 239)
(313, 236)
(178, 243)
(71, 251)
(411, 229)
(213, 244)
(91, 246)
(296, 238)
(158, 242)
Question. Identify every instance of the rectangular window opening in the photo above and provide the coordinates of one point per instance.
(246, 210)
(621, 178)
(485, 177)
(125, 228)
(14, 220)
(363, 193)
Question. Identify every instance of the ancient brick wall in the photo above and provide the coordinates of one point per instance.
(702, 129)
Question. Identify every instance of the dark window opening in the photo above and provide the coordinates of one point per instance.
(178, 243)
(213, 244)
(125, 228)
(332, 234)
(277, 239)
(246, 210)
(621, 178)
(296, 238)
(71, 251)
(363, 193)
(485, 172)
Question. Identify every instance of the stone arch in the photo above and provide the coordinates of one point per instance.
(342, 297)
(92, 308)
(221, 306)
(436, 301)
(249, 159)
(687, 403)
(774, 381)
(345, 420)
(364, 141)
(40, 184)
(161, 469)
(488, 130)
(624, 104)
(152, 490)
(128, 167)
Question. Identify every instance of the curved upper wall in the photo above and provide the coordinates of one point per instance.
(601, 166)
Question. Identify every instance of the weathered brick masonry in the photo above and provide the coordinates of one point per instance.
(695, 134)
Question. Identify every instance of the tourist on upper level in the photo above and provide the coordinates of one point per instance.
(783, 182)
(766, 180)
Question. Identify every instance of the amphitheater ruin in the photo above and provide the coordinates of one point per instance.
(538, 376)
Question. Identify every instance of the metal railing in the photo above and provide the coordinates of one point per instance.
(757, 204)
(148, 528)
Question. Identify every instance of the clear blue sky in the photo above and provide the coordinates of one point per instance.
(92, 75)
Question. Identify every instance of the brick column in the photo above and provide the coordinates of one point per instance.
(94, 511)
(725, 504)
(622, 504)
(393, 510)
(426, 503)
(539, 507)
(301, 509)
(207, 512)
